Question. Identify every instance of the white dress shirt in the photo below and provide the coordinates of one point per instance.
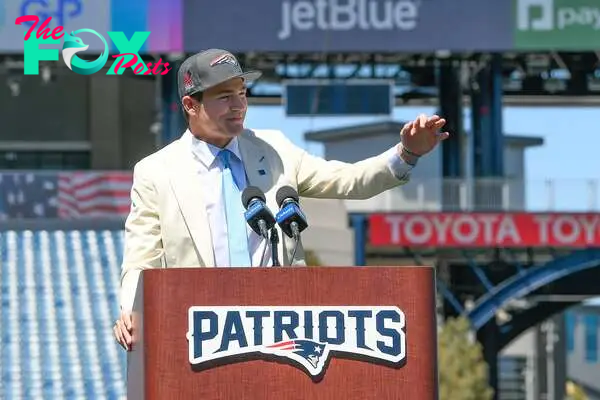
(210, 170)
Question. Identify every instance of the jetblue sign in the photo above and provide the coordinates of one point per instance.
(308, 336)
(388, 15)
(349, 25)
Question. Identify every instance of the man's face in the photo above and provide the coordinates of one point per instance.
(223, 109)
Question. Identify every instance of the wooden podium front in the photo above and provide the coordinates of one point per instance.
(377, 356)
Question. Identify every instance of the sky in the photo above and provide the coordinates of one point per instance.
(569, 156)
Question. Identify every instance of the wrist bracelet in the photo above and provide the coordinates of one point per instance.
(410, 153)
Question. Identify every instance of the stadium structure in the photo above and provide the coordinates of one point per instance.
(68, 143)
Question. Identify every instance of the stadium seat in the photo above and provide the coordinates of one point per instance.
(59, 301)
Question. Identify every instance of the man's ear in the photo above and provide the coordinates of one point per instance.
(188, 104)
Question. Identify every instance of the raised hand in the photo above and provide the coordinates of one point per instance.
(420, 136)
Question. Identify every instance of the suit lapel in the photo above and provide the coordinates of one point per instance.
(255, 161)
(188, 193)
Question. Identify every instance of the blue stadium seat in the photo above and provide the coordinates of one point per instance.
(59, 301)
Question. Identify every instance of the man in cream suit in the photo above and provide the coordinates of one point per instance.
(186, 206)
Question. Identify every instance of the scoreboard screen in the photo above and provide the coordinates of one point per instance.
(338, 98)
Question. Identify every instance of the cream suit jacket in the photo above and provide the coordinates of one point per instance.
(168, 226)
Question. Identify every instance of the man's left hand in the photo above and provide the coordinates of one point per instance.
(420, 136)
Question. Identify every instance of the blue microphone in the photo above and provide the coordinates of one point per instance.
(257, 214)
(290, 217)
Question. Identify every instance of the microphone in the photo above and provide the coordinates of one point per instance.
(290, 217)
(258, 215)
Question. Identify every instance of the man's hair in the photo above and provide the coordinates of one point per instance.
(198, 98)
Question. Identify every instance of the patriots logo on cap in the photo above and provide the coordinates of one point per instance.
(224, 59)
(227, 59)
(188, 82)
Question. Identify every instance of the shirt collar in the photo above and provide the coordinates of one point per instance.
(207, 153)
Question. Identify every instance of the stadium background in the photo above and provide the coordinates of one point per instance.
(68, 143)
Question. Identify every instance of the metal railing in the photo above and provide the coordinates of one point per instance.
(486, 194)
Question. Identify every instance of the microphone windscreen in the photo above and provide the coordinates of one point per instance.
(250, 193)
(286, 192)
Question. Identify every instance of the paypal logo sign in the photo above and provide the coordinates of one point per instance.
(548, 15)
(306, 336)
(526, 21)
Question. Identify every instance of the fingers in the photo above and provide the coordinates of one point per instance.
(406, 129)
(126, 336)
(122, 331)
(439, 124)
(428, 129)
(119, 336)
(126, 318)
(443, 136)
(415, 127)
(424, 122)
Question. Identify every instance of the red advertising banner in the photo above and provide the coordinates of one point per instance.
(485, 229)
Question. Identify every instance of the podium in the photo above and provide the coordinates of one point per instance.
(284, 333)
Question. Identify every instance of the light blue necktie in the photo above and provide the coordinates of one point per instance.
(239, 256)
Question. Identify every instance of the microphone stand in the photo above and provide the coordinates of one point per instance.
(274, 244)
(296, 236)
(264, 233)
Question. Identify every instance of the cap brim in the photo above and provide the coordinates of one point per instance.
(248, 76)
(251, 76)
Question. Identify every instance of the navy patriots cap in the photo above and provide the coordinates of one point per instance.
(210, 68)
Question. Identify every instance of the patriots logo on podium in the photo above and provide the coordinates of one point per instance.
(310, 354)
(308, 336)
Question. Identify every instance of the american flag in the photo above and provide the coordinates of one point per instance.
(94, 194)
(25, 195)
(28, 195)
